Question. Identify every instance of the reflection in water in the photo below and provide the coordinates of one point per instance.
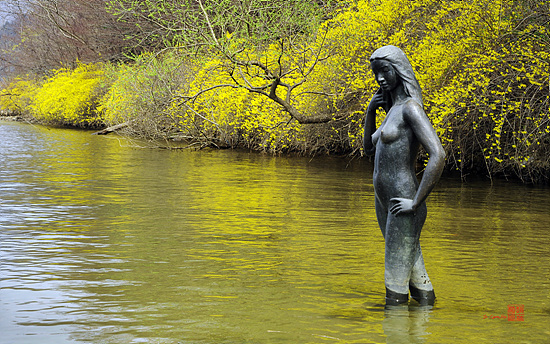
(107, 243)
(406, 324)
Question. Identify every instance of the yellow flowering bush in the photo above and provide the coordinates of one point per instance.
(69, 96)
(18, 95)
(229, 114)
(483, 67)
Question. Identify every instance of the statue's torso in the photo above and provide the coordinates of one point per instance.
(396, 150)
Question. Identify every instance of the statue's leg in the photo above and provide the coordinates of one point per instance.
(381, 215)
(392, 297)
(420, 285)
(401, 252)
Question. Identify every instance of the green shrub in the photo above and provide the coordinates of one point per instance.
(140, 93)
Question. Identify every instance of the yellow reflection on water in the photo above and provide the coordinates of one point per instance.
(237, 247)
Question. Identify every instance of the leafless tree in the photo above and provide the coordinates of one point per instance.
(45, 34)
(231, 29)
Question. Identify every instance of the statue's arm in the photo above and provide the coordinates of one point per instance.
(376, 102)
(425, 133)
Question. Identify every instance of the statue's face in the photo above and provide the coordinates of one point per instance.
(385, 74)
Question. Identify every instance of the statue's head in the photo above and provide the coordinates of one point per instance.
(399, 61)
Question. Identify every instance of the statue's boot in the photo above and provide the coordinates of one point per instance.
(423, 297)
(394, 299)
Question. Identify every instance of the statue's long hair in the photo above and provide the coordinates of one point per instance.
(399, 61)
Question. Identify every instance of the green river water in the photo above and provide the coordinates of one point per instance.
(104, 241)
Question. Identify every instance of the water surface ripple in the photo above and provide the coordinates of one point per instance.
(102, 241)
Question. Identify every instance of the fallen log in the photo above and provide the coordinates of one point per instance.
(111, 129)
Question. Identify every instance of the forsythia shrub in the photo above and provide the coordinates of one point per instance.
(483, 67)
(19, 94)
(69, 96)
(233, 116)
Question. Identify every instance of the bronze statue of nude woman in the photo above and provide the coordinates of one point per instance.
(399, 197)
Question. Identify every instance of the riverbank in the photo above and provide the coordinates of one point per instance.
(11, 116)
(14, 116)
(482, 68)
(178, 144)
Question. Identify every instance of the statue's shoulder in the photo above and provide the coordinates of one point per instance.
(414, 112)
(413, 107)
(412, 104)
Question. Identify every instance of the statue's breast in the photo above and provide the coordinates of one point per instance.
(391, 128)
(375, 137)
(389, 133)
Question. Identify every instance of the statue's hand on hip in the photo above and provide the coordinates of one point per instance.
(402, 206)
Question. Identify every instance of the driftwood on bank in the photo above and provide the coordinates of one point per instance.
(111, 129)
